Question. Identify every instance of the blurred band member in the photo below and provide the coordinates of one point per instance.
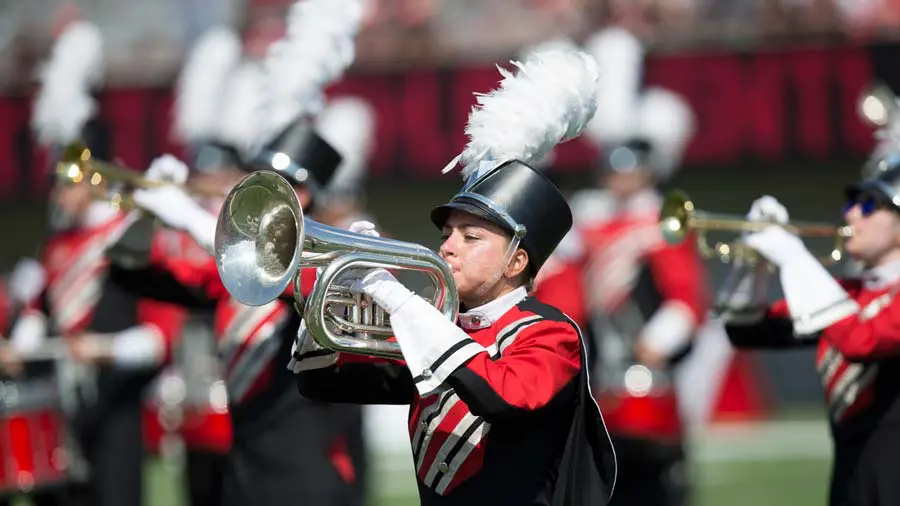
(122, 338)
(641, 299)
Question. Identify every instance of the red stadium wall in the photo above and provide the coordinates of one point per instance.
(765, 107)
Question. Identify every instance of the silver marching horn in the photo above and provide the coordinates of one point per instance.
(263, 242)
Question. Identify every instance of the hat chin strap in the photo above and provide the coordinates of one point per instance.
(488, 285)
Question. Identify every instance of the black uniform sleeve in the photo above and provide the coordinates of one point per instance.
(358, 383)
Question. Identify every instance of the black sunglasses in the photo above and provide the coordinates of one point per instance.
(867, 202)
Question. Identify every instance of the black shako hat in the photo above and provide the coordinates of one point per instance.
(522, 201)
(213, 155)
(301, 155)
(885, 184)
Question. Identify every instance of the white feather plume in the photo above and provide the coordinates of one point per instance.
(549, 100)
(667, 121)
(318, 47)
(348, 124)
(557, 43)
(241, 115)
(620, 57)
(64, 104)
(200, 86)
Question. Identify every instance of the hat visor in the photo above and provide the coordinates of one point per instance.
(440, 214)
(873, 187)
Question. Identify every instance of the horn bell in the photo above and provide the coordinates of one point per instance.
(257, 236)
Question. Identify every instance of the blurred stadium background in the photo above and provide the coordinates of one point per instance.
(774, 85)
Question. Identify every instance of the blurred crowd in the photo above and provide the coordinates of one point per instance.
(147, 40)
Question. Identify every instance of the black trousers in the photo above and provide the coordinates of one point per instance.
(282, 453)
(650, 473)
(865, 470)
(203, 472)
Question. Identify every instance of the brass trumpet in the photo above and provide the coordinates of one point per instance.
(678, 218)
(77, 165)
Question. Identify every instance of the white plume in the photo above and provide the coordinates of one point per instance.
(620, 57)
(667, 121)
(318, 47)
(199, 90)
(348, 124)
(241, 115)
(27, 280)
(557, 43)
(64, 104)
(550, 100)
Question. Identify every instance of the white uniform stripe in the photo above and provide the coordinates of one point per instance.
(237, 335)
(468, 447)
(432, 427)
(427, 415)
(252, 364)
(444, 452)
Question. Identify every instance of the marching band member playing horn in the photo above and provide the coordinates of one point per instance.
(853, 323)
(500, 409)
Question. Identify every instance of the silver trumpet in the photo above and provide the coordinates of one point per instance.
(263, 242)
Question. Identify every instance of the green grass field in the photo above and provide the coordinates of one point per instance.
(778, 463)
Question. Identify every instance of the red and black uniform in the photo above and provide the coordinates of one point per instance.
(623, 283)
(285, 448)
(858, 359)
(507, 426)
(204, 425)
(79, 297)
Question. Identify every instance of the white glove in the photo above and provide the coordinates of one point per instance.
(27, 280)
(178, 210)
(384, 289)
(364, 228)
(767, 208)
(29, 333)
(137, 347)
(169, 169)
(814, 297)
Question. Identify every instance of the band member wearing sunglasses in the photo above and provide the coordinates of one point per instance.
(854, 323)
(501, 412)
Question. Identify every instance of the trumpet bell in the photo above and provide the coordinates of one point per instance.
(675, 216)
(256, 239)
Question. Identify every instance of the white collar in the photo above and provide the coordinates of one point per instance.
(97, 214)
(882, 276)
(486, 315)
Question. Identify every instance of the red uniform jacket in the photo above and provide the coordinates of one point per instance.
(77, 268)
(858, 360)
(514, 425)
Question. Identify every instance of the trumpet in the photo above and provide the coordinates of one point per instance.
(77, 165)
(678, 218)
(263, 242)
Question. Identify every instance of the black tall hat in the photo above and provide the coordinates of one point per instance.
(521, 200)
(301, 155)
(210, 156)
(884, 184)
